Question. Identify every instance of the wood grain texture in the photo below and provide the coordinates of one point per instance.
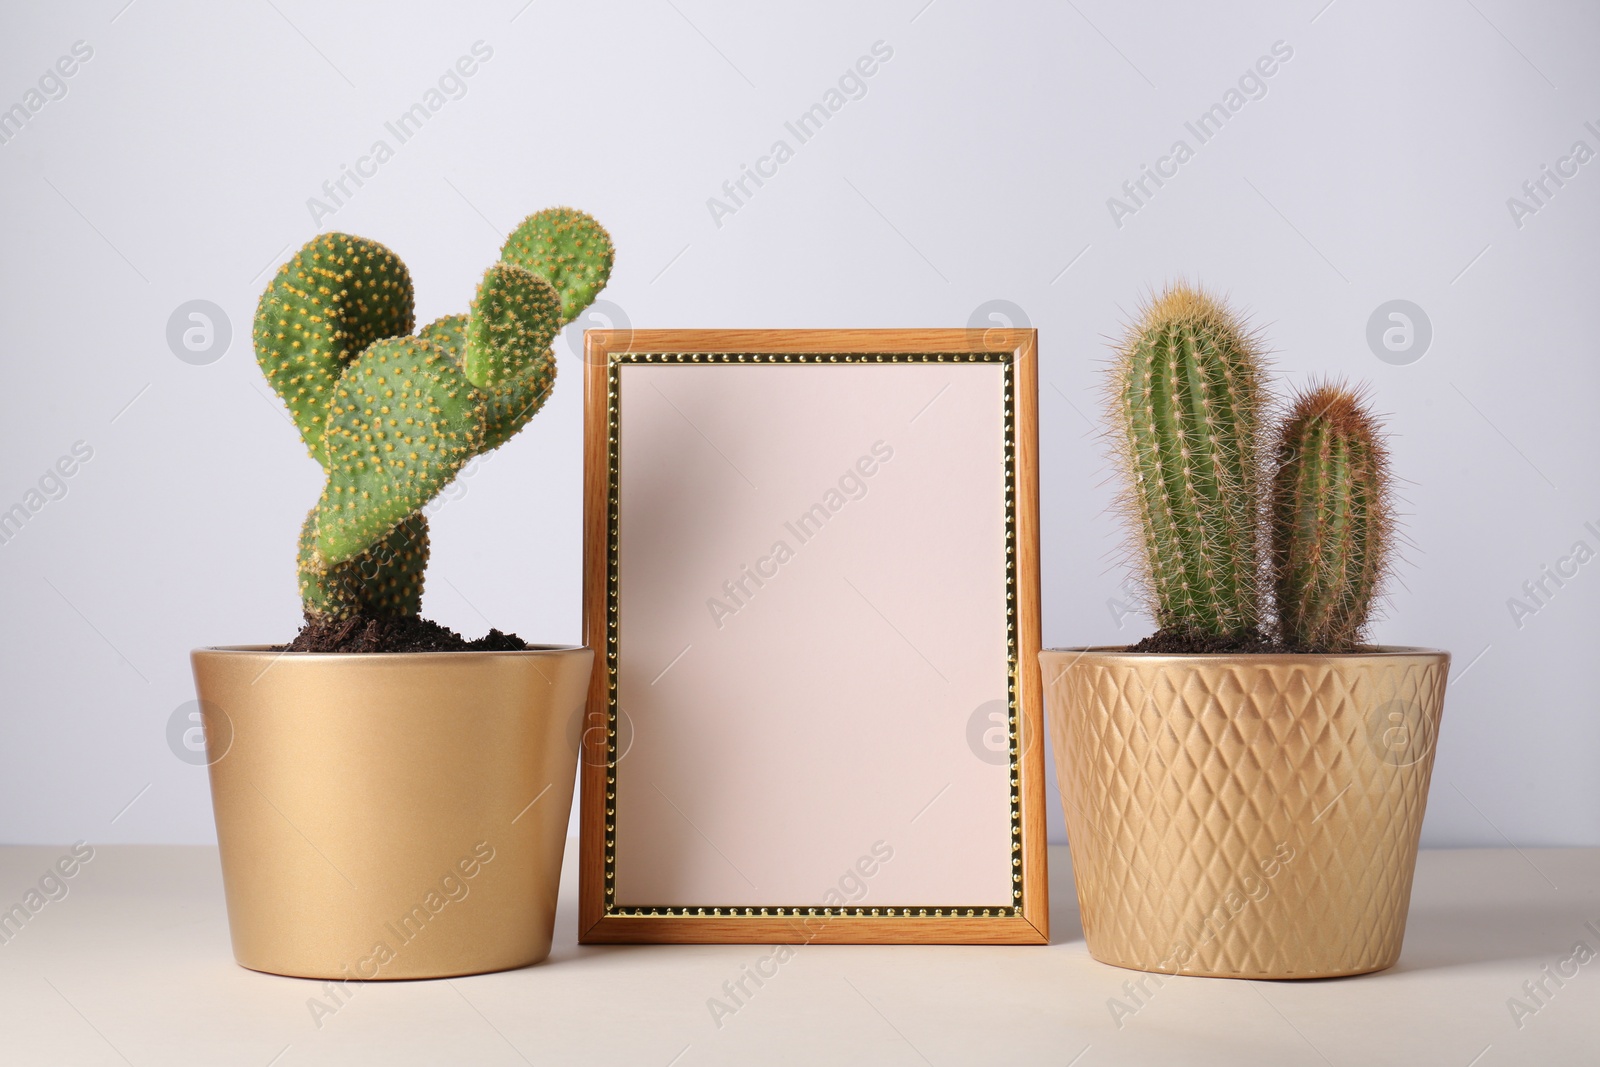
(1032, 926)
(592, 747)
(1025, 398)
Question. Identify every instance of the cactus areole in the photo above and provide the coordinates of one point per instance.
(393, 416)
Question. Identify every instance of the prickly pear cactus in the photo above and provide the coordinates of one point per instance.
(403, 422)
(1187, 401)
(1332, 520)
(393, 418)
(336, 296)
(569, 250)
(385, 580)
(513, 401)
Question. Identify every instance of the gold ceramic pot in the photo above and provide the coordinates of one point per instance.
(391, 815)
(1244, 816)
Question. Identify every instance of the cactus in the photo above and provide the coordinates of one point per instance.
(403, 421)
(1331, 519)
(512, 403)
(334, 297)
(386, 580)
(566, 248)
(391, 417)
(1187, 399)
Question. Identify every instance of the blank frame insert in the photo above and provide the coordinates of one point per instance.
(811, 577)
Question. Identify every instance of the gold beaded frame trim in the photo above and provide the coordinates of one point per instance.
(947, 922)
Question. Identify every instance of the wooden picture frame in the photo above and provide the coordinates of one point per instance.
(801, 731)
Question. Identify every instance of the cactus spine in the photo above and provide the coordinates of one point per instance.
(1331, 519)
(391, 417)
(1188, 395)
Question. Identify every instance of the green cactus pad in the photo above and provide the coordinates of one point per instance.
(514, 318)
(384, 581)
(1332, 521)
(449, 332)
(1187, 402)
(568, 249)
(403, 421)
(510, 405)
(337, 295)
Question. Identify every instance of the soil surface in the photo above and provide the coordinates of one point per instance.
(398, 634)
(1191, 643)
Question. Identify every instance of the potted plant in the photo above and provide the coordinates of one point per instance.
(1244, 790)
(391, 801)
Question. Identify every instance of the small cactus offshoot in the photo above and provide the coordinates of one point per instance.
(1332, 522)
(391, 417)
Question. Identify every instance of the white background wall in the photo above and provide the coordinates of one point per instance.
(976, 167)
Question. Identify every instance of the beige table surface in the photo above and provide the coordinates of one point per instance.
(132, 966)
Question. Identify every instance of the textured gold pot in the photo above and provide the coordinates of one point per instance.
(1249, 816)
(391, 815)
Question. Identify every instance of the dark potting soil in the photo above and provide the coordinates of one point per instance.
(1192, 643)
(398, 634)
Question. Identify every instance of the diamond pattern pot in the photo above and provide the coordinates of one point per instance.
(1249, 816)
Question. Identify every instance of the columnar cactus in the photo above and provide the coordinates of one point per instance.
(393, 417)
(1187, 399)
(1188, 393)
(1331, 519)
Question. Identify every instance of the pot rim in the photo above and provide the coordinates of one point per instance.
(1366, 653)
(273, 652)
